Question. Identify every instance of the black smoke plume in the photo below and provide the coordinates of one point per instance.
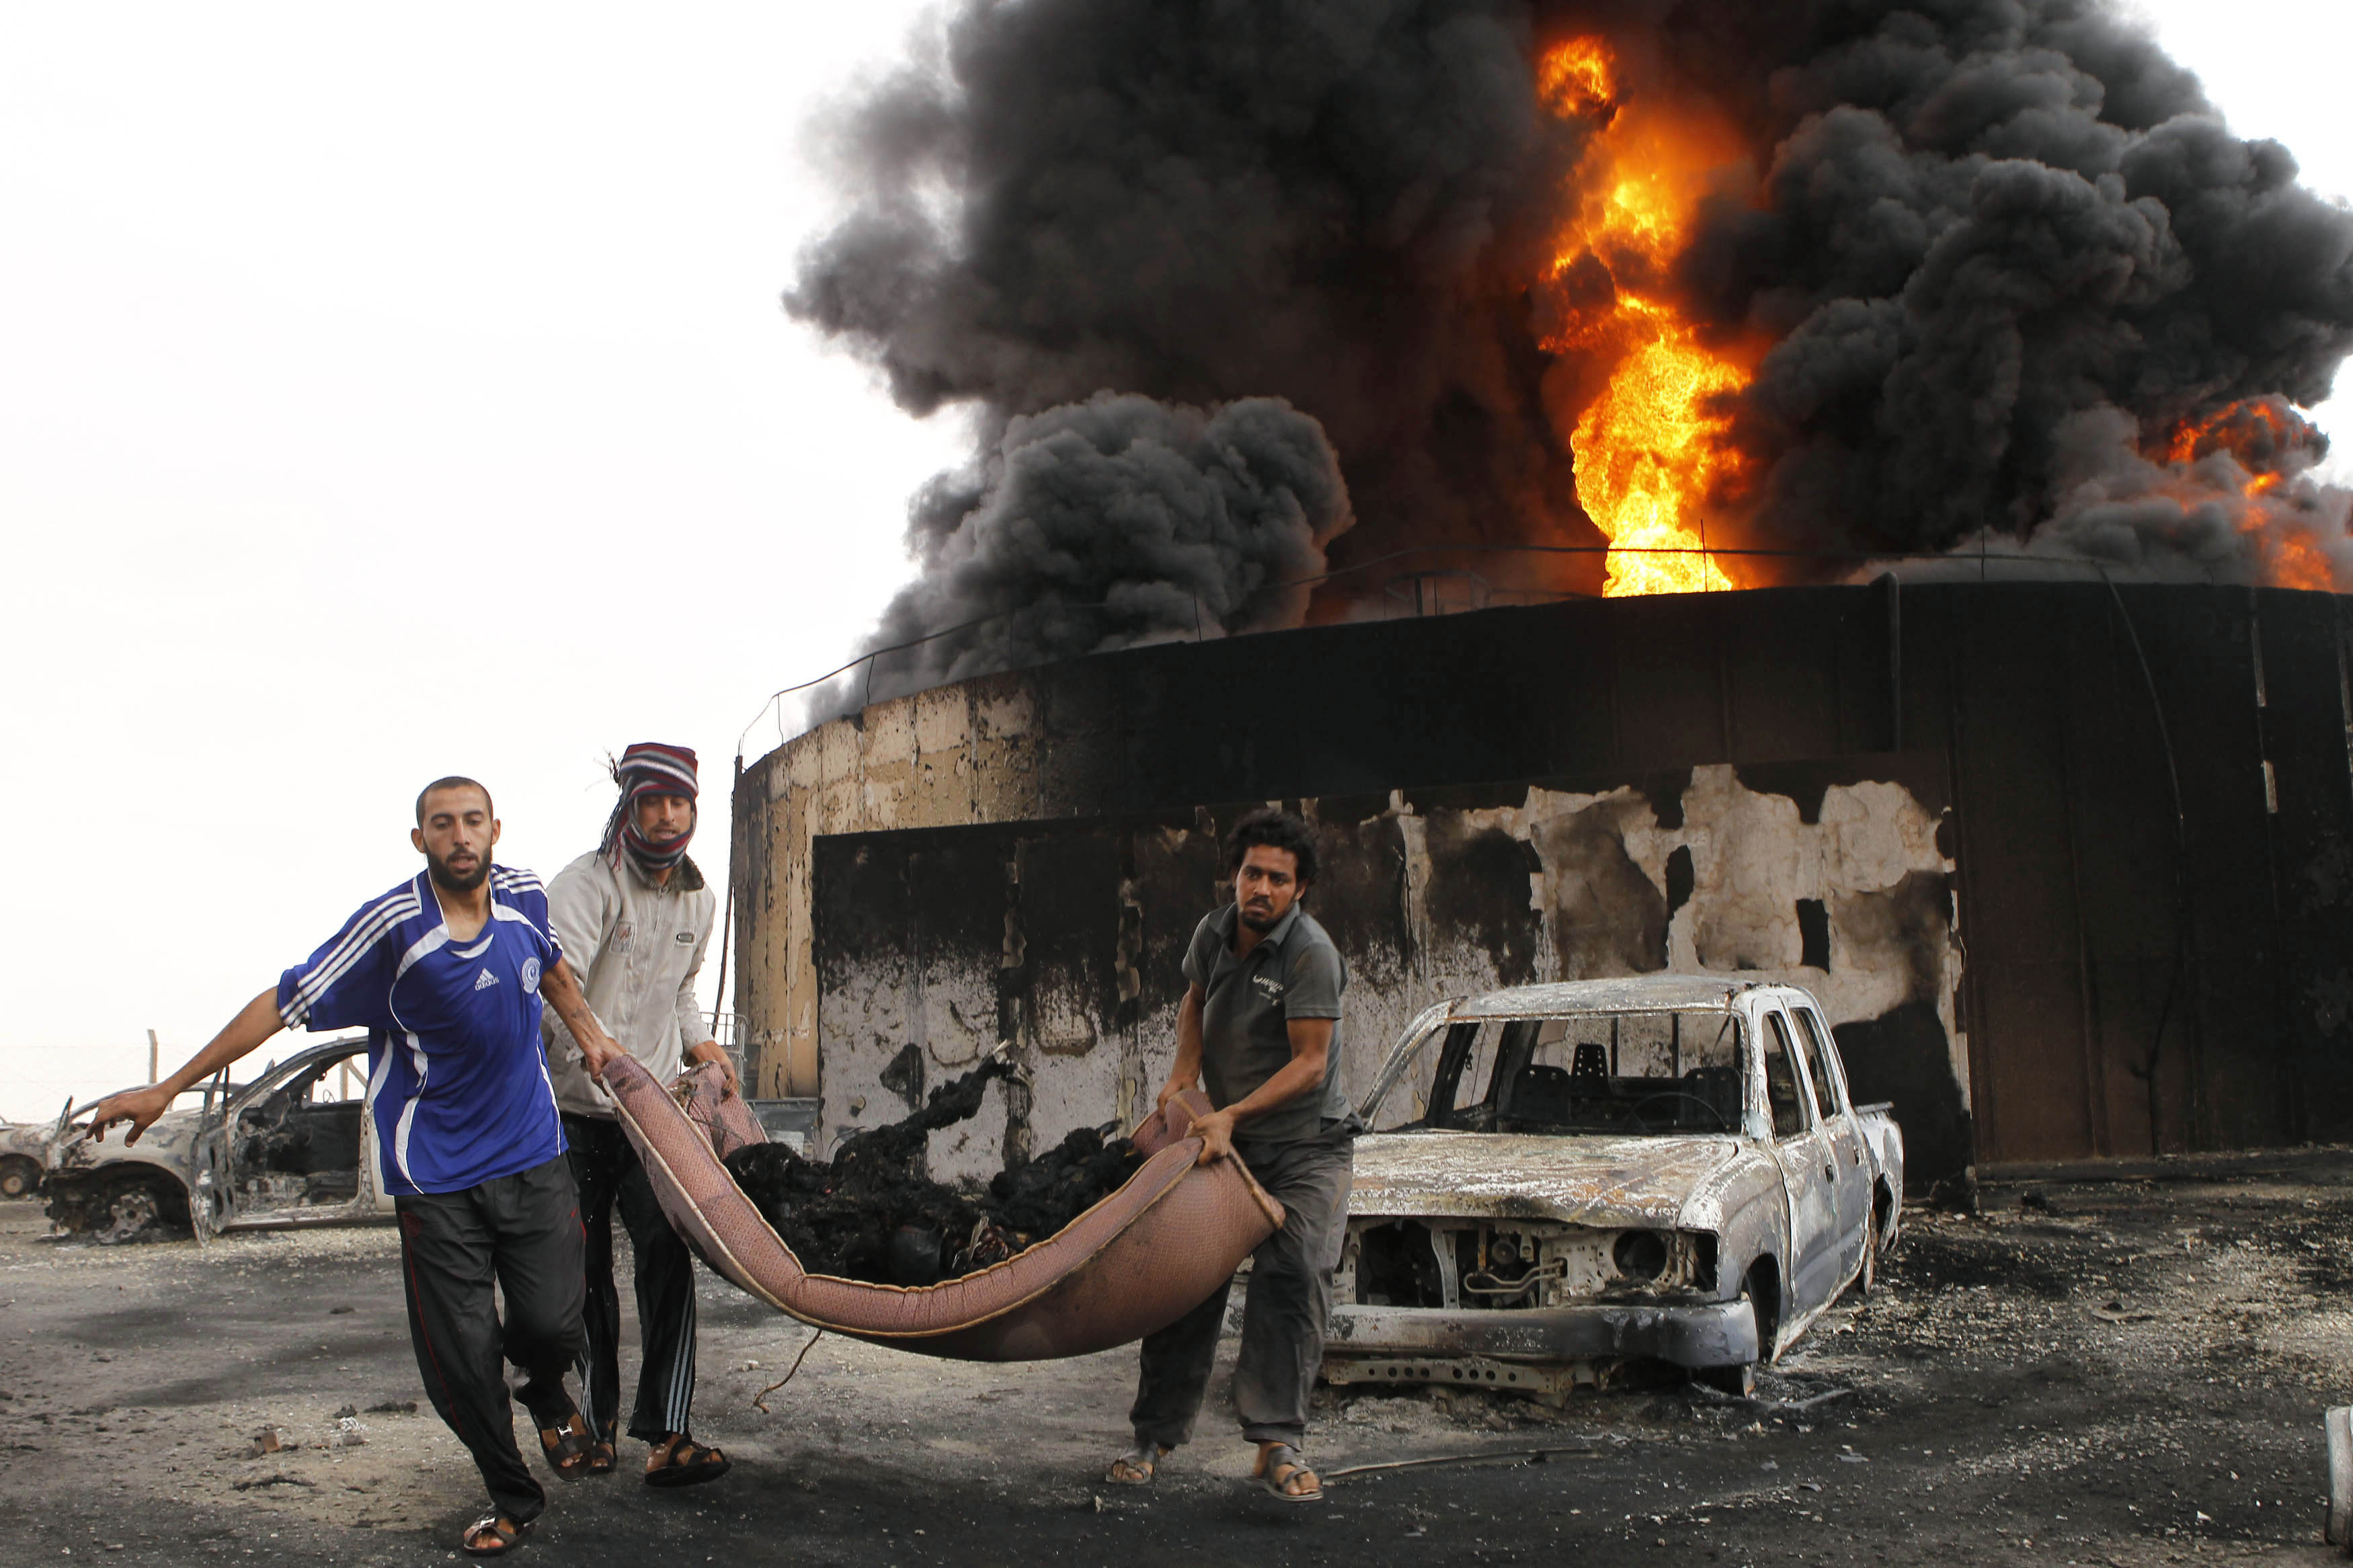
(2005, 250)
(1111, 522)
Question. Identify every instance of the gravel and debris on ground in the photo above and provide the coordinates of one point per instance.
(2119, 1372)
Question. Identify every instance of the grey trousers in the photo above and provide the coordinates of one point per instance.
(522, 1234)
(605, 1168)
(1284, 1312)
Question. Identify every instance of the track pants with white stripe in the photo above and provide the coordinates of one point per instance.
(520, 1234)
(604, 1167)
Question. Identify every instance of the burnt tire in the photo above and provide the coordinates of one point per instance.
(1737, 1380)
(1757, 1289)
(129, 1207)
(18, 1177)
(1866, 1278)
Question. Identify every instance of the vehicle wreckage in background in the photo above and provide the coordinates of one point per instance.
(24, 1149)
(1665, 1168)
(283, 1150)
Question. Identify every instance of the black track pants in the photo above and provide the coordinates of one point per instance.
(605, 1168)
(1284, 1313)
(522, 1234)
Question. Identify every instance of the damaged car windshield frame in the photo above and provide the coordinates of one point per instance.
(1622, 1072)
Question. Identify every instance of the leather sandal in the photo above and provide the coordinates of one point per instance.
(566, 1446)
(1137, 1465)
(687, 1463)
(505, 1535)
(1280, 1464)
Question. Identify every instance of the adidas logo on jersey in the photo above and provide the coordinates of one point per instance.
(484, 980)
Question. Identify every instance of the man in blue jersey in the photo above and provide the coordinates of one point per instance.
(446, 972)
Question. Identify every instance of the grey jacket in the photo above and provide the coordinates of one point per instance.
(636, 949)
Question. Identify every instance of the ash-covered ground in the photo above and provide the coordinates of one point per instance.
(2131, 1375)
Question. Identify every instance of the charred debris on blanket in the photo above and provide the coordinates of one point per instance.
(869, 1214)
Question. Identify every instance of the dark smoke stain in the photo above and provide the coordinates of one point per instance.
(1478, 895)
(1914, 919)
(1359, 891)
(1681, 880)
(1067, 887)
(1607, 916)
(1806, 784)
(1814, 934)
(903, 1076)
(1666, 797)
(1902, 1057)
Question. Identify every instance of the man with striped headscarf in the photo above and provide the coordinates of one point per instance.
(636, 915)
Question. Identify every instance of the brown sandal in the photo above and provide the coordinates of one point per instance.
(1278, 1464)
(1137, 1465)
(603, 1460)
(687, 1463)
(566, 1445)
(505, 1535)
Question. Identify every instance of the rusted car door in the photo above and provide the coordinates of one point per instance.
(372, 1192)
(212, 1189)
(1848, 1158)
(323, 1182)
(1802, 1149)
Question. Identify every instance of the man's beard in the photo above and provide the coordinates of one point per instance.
(1260, 924)
(450, 881)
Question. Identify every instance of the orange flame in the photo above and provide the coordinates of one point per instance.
(2264, 438)
(1648, 453)
(2251, 432)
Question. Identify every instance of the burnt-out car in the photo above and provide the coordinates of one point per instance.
(24, 1149)
(1586, 1175)
(295, 1147)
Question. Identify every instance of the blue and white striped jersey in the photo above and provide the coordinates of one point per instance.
(457, 1079)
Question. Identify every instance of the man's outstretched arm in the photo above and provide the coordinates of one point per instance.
(140, 1107)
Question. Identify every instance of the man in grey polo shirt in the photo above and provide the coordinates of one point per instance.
(1259, 1030)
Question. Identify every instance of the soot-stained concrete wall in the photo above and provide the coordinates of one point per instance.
(1066, 938)
(2143, 798)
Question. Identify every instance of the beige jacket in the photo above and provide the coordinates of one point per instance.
(636, 949)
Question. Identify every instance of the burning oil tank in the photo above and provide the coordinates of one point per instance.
(2070, 865)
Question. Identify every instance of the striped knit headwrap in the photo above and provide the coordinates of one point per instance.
(649, 768)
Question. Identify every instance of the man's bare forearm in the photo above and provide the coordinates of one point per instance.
(255, 1022)
(560, 989)
(1186, 1071)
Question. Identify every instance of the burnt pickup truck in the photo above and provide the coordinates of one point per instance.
(293, 1148)
(1605, 1171)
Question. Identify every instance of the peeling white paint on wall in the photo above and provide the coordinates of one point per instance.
(1752, 859)
(1596, 904)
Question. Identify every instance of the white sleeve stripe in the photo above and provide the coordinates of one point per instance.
(376, 921)
(500, 911)
(362, 938)
(370, 924)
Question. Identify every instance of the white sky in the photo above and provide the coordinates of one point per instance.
(399, 393)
